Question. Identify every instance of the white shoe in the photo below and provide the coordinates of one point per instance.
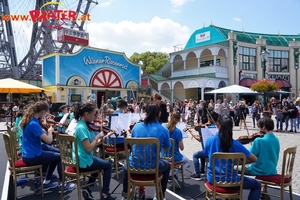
(154, 198)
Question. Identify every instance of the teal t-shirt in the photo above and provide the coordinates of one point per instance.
(81, 133)
(266, 149)
(71, 116)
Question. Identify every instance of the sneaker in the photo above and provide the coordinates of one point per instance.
(120, 166)
(87, 194)
(290, 130)
(68, 187)
(50, 185)
(109, 197)
(196, 177)
(154, 198)
(262, 197)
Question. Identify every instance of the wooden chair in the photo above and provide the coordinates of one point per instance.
(13, 133)
(138, 175)
(70, 163)
(230, 185)
(18, 167)
(169, 156)
(110, 149)
(284, 179)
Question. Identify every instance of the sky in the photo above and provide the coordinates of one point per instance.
(158, 25)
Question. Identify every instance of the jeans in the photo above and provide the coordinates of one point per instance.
(196, 156)
(293, 123)
(254, 186)
(99, 164)
(164, 168)
(286, 119)
(49, 159)
(279, 123)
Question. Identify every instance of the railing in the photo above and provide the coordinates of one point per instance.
(220, 72)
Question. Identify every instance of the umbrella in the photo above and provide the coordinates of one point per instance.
(10, 85)
(233, 89)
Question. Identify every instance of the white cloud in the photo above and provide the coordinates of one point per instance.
(129, 37)
(178, 3)
(106, 4)
(236, 19)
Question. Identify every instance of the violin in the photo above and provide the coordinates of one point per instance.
(201, 126)
(246, 139)
(97, 128)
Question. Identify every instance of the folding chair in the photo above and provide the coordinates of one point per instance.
(141, 169)
(229, 185)
(284, 179)
(169, 156)
(18, 167)
(69, 160)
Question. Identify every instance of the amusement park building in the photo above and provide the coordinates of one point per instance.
(215, 57)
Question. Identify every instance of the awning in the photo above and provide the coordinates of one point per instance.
(247, 82)
(283, 83)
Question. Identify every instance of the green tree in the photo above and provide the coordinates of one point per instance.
(150, 62)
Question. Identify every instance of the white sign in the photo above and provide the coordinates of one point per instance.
(193, 84)
(210, 84)
(201, 37)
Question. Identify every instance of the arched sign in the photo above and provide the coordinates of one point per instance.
(210, 84)
(193, 84)
(106, 78)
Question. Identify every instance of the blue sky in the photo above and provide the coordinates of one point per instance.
(157, 25)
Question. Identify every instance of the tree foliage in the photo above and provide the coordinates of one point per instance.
(150, 62)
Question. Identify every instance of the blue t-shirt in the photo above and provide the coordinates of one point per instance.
(212, 145)
(117, 112)
(31, 141)
(81, 133)
(266, 149)
(176, 135)
(154, 129)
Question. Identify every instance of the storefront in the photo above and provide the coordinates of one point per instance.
(90, 74)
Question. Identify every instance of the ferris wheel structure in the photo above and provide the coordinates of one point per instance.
(23, 42)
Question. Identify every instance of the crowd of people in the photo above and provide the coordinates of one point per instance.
(160, 122)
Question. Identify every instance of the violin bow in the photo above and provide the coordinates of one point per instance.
(245, 123)
(102, 112)
(210, 115)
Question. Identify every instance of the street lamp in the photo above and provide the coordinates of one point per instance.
(234, 49)
(296, 59)
(264, 59)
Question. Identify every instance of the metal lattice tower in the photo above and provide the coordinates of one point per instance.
(42, 42)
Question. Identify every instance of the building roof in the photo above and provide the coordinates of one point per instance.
(214, 34)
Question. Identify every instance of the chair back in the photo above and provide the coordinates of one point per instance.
(289, 155)
(68, 151)
(142, 156)
(168, 154)
(9, 149)
(12, 131)
(223, 165)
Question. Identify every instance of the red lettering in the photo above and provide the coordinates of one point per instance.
(72, 15)
(64, 15)
(58, 13)
(52, 15)
(34, 15)
(24, 17)
(5, 17)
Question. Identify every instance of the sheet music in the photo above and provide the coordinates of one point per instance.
(120, 122)
(71, 128)
(206, 133)
(181, 126)
(63, 120)
(135, 117)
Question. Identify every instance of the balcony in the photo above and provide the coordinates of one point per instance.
(220, 72)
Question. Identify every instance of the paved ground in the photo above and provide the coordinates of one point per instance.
(192, 187)
(286, 140)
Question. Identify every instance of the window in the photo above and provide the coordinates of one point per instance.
(209, 63)
(278, 61)
(247, 58)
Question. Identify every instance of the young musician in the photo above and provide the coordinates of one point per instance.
(223, 142)
(151, 128)
(33, 151)
(266, 149)
(176, 135)
(199, 172)
(86, 143)
(121, 106)
(163, 117)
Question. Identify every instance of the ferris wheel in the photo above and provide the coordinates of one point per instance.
(28, 31)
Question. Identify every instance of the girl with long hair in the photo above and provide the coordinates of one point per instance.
(33, 134)
(87, 142)
(176, 135)
(223, 142)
